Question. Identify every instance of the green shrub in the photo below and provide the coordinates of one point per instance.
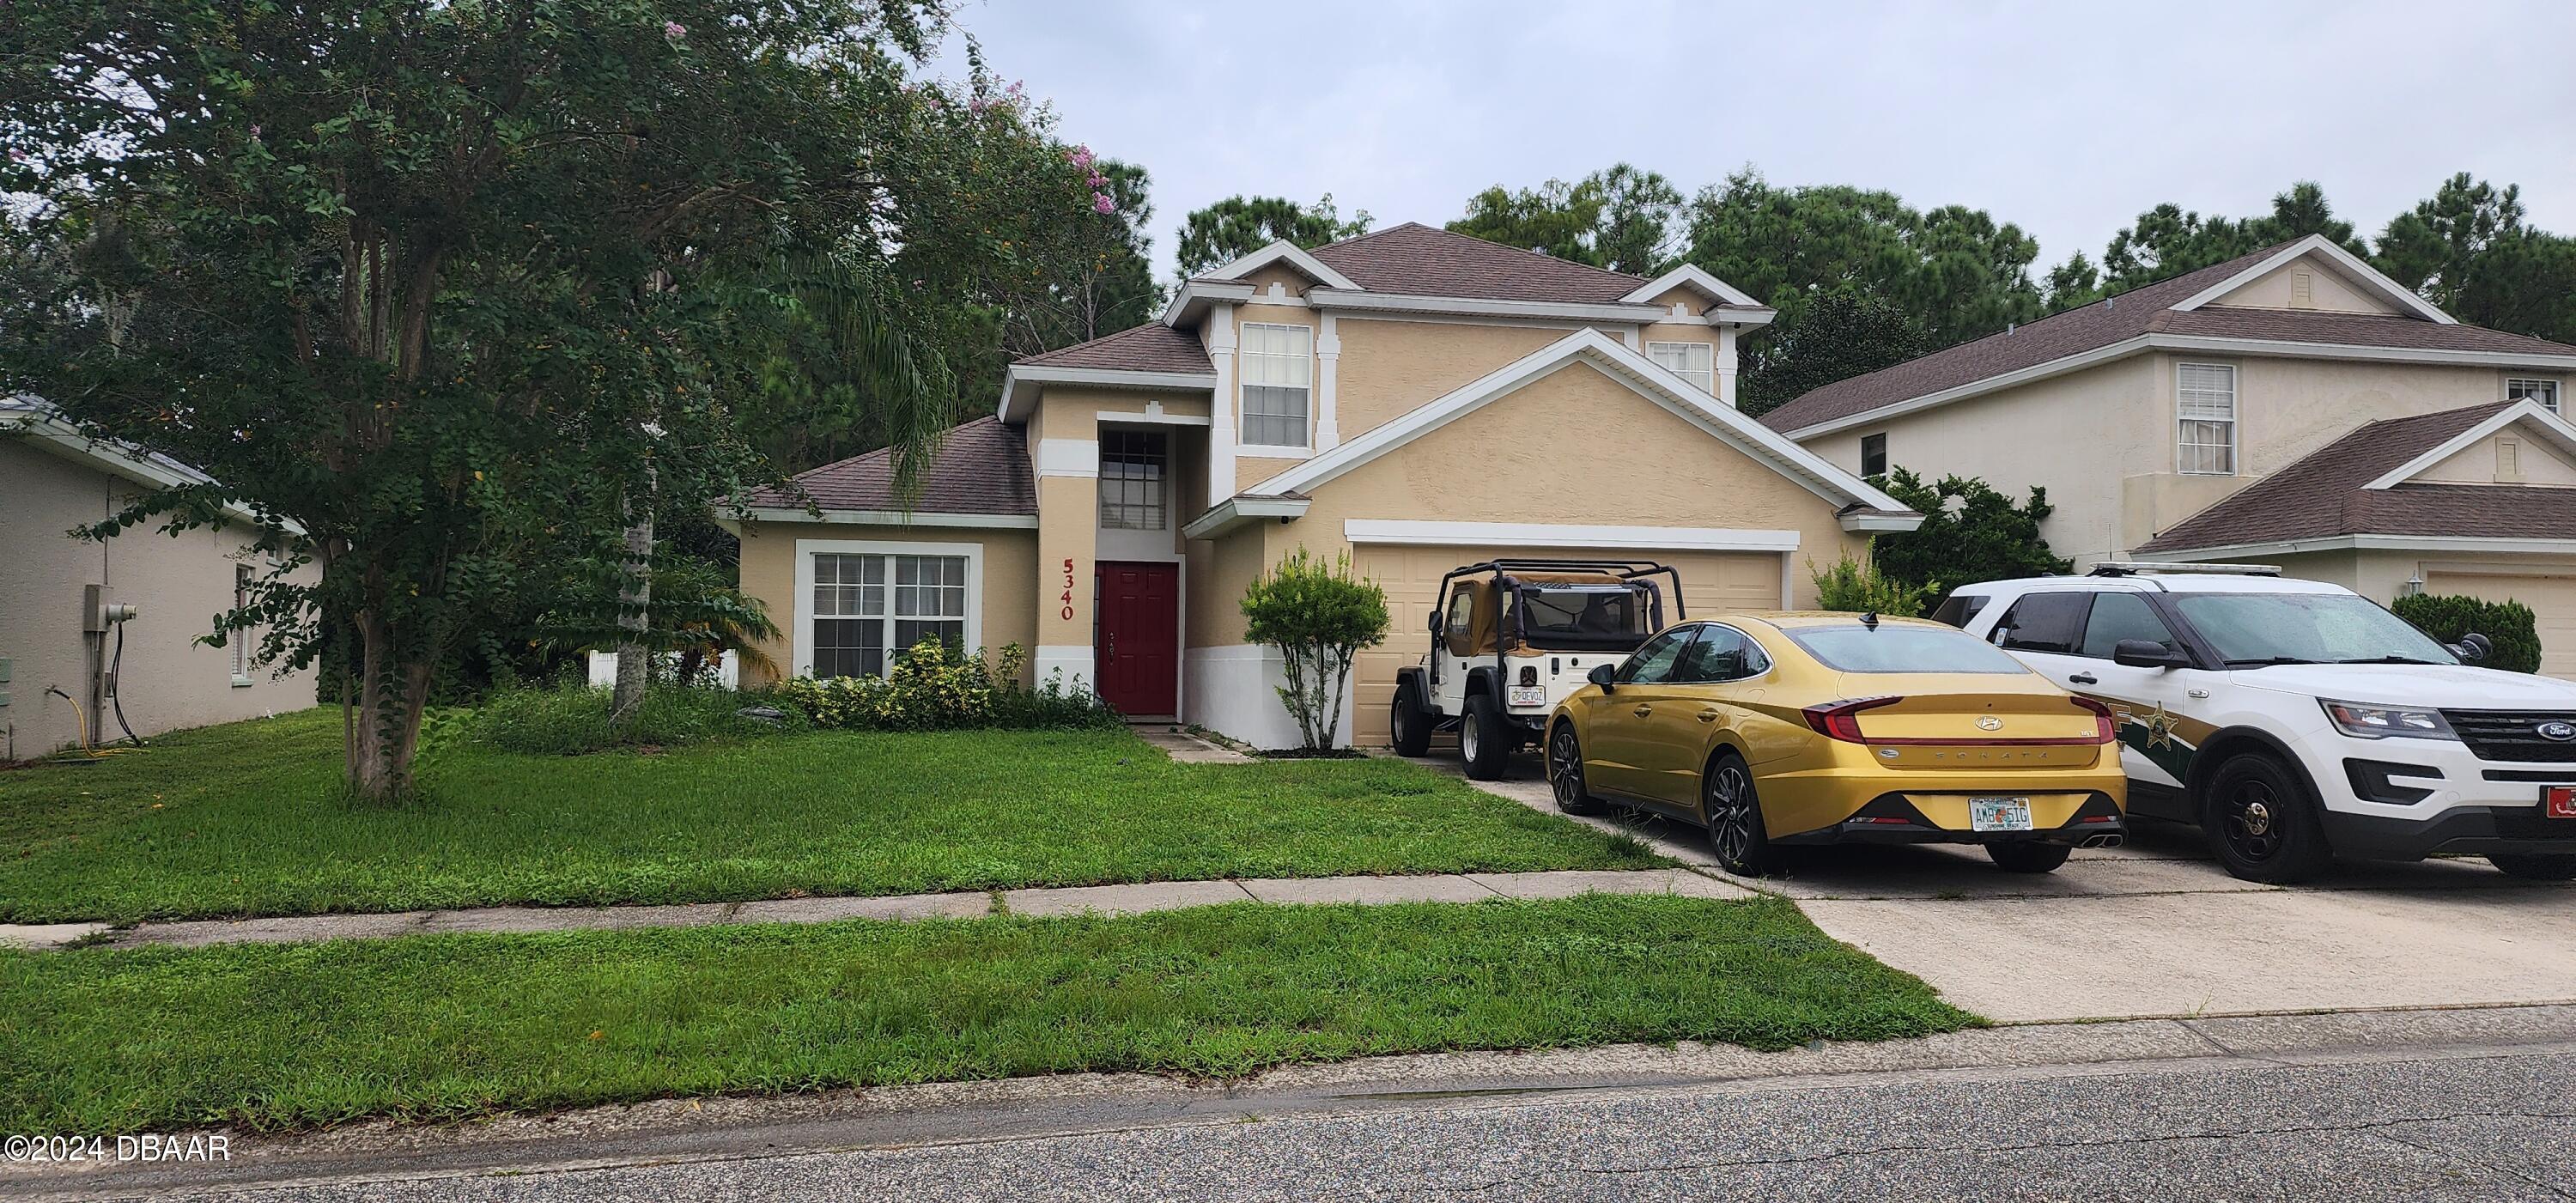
(2509, 626)
(1851, 585)
(1319, 616)
(569, 720)
(935, 687)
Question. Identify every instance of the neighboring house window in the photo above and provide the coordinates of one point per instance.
(2207, 407)
(1873, 455)
(1278, 370)
(1132, 465)
(868, 608)
(1690, 361)
(240, 639)
(2543, 391)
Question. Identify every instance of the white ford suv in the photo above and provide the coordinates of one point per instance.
(2296, 721)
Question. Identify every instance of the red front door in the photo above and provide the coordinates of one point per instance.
(1139, 645)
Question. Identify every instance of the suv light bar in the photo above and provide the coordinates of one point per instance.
(2155, 568)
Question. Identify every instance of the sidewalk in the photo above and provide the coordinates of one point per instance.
(1132, 899)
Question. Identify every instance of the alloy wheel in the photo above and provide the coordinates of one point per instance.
(1730, 813)
(2250, 821)
(1565, 766)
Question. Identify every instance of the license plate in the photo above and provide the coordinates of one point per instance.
(1529, 695)
(2559, 801)
(1999, 814)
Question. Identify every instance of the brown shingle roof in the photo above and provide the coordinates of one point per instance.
(2147, 310)
(1416, 260)
(982, 467)
(1152, 347)
(2322, 495)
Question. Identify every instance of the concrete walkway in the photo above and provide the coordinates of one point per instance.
(1186, 748)
(1138, 898)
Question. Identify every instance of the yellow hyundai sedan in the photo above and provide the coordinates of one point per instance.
(1779, 730)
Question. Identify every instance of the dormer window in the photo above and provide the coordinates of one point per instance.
(1278, 376)
(1690, 361)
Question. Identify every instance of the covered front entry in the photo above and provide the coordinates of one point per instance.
(2551, 596)
(1138, 643)
(1712, 582)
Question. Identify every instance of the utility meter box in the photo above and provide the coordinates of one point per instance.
(100, 609)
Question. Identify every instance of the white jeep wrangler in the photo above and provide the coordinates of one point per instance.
(1511, 638)
(2296, 721)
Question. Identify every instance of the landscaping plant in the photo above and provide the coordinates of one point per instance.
(1851, 585)
(1319, 616)
(1971, 532)
(2512, 631)
(935, 687)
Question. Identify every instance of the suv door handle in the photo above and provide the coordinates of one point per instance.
(2083, 679)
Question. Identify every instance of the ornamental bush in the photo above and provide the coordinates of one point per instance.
(1852, 585)
(2510, 627)
(1319, 616)
(936, 687)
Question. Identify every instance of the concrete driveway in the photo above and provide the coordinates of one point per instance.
(2158, 929)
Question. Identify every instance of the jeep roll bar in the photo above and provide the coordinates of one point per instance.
(1636, 572)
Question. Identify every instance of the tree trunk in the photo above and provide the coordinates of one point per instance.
(634, 664)
(385, 736)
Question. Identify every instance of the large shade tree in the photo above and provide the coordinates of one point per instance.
(1239, 225)
(449, 292)
(1622, 218)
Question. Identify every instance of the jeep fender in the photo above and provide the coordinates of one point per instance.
(1481, 679)
(1420, 680)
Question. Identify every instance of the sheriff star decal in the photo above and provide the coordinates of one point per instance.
(2159, 724)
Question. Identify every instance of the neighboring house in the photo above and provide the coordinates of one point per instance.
(53, 479)
(2138, 412)
(1413, 398)
(2478, 501)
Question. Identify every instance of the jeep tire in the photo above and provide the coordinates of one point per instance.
(1408, 725)
(1485, 739)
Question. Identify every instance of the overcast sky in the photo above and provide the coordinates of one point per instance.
(2065, 118)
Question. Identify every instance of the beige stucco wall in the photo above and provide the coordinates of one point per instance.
(180, 585)
(1390, 368)
(2103, 441)
(1009, 611)
(2483, 463)
(2327, 290)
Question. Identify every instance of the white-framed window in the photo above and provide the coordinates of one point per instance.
(1693, 362)
(1134, 480)
(1873, 454)
(2205, 405)
(2527, 388)
(1278, 363)
(239, 639)
(868, 603)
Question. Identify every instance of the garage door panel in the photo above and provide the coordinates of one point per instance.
(1712, 582)
(2552, 600)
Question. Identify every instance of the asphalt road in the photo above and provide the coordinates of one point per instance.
(2441, 1105)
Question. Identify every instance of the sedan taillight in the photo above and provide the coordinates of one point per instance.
(1841, 720)
(2104, 729)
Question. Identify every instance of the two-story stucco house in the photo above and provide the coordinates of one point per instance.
(1412, 398)
(2293, 406)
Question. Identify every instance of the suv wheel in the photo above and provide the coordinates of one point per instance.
(1408, 728)
(2262, 823)
(1736, 832)
(2028, 856)
(1484, 740)
(1565, 771)
(2537, 866)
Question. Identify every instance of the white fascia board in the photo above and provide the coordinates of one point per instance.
(1550, 534)
(1283, 251)
(2464, 544)
(1581, 311)
(1695, 277)
(1020, 381)
(1629, 368)
(67, 441)
(1194, 295)
(1975, 388)
(1742, 317)
(2361, 273)
(1881, 523)
(892, 518)
(1237, 511)
(2550, 426)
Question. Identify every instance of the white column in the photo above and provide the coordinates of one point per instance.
(1328, 356)
(1221, 406)
(1726, 364)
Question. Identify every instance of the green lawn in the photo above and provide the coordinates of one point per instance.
(246, 819)
(436, 1027)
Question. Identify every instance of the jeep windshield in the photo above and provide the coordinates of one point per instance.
(1584, 617)
(2253, 630)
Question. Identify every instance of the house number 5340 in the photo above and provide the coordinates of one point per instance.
(1068, 589)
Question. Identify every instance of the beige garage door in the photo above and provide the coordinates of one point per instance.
(1712, 581)
(2552, 600)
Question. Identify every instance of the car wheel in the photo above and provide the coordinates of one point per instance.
(1484, 742)
(1565, 772)
(2537, 866)
(1733, 812)
(2028, 856)
(2260, 820)
(1408, 728)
